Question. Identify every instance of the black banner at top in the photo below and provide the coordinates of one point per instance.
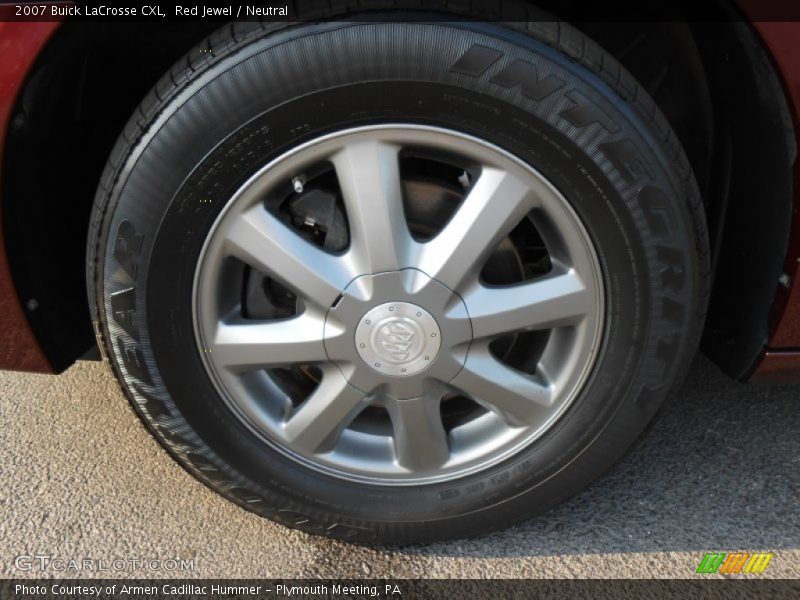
(488, 10)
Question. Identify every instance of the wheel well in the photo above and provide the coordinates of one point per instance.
(713, 81)
(717, 87)
(84, 86)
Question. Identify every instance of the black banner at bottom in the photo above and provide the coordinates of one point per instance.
(388, 589)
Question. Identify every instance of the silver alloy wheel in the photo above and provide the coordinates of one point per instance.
(436, 317)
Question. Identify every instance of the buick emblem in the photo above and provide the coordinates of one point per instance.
(396, 338)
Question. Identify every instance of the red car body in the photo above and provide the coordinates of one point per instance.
(781, 358)
(22, 42)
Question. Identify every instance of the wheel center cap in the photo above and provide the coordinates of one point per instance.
(398, 338)
(397, 330)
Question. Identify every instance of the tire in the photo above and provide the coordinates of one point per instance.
(542, 97)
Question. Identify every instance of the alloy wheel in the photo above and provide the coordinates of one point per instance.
(362, 337)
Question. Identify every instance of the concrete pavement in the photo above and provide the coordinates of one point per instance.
(81, 478)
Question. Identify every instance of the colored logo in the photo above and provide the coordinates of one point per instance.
(735, 562)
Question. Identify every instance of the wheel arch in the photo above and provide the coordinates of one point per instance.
(79, 93)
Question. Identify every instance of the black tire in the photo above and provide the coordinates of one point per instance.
(251, 92)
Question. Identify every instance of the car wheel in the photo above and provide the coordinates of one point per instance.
(398, 281)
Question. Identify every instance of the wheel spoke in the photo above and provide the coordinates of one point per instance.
(369, 176)
(261, 240)
(519, 398)
(317, 423)
(551, 301)
(419, 435)
(247, 345)
(395, 316)
(496, 204)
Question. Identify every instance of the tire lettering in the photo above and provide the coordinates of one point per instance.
(244, 495)
(655, 205)
(200, 463)
(449, 494)
(296, 519)
(152, 406)
(657, 212)
(622, 154)
(127, 247)
(673, 273)
(666, 351)
(133, 360)
(500, 478)
(584, 112)
(473, 488)
(526, 75)
(123, 309)
(476, 60)
(174, 441)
